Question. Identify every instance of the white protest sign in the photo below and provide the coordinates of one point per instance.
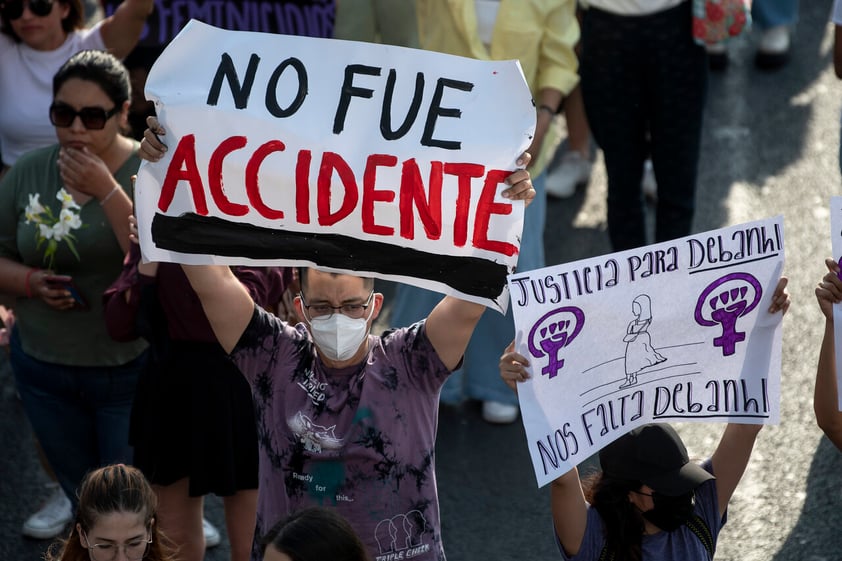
(836, 244)
(677, 331)
(349, 156)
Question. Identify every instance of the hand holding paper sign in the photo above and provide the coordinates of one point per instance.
(825, 396)
(395, 163)
(677, 330)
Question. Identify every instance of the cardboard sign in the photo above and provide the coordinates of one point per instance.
(677, 331)
(353, 157)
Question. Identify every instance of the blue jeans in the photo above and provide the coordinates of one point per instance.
(79, 414)
(772, 13)
(479, 377)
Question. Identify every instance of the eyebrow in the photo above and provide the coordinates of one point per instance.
(353, 300)
(100, 540)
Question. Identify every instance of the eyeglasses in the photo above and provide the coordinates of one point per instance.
(13, 9)
(133, 550)
(354, 311)
(94, 118)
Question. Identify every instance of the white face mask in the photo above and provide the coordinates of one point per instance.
(338, 336)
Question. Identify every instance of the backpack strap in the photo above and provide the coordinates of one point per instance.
(605, 554)
(696, 524)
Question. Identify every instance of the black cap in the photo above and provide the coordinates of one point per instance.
(654, 455)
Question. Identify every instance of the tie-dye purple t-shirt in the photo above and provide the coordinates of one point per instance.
(360, 439)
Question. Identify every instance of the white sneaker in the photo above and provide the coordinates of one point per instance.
(773, 48)
(499, 413)
(51, 519)
(573, 170)
(774, 40)
(212, 537)
(649, 185)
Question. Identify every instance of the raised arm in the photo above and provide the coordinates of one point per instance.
(451, 323)
(121, 30)
(450, 326)
(570, 511)
(226, 301)
(567, 501)
(731, 458)
(825, 396)
(734, 450)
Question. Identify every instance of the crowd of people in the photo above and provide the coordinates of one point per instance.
(151, 385)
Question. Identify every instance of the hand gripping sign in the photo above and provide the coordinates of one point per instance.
(348, 156)
(677, 331)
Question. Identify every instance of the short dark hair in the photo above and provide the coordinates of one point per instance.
(101, 68)
(368, 282)
(315, 534)
(75, 20)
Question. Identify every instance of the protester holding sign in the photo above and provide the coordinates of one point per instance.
(649, 502)
(542, 36)
(344, 418)
(36, 38)
(826, 397)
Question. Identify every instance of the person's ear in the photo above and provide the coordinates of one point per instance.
(299, 309)
(377, 302)
(82, 539)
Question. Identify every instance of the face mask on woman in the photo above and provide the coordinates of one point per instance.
(670, 513)
(339, 336)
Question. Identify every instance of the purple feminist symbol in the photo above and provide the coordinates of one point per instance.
(554, 331)
(723, 302)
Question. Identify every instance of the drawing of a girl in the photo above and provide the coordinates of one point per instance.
(639, 351)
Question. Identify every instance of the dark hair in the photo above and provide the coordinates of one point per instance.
(108, 490)
(368, 282)
(99, 67)
(75, 19)
(315, 534)
(622, 523)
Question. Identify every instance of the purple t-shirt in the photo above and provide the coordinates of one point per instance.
(680, 545)
(360, 439)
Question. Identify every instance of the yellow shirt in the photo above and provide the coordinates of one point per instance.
(541, 34)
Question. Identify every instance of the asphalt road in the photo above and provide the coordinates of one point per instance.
(770, 147)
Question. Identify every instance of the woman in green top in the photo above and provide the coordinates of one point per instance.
(63, 232)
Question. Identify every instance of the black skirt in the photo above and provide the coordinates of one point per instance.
(193, 417)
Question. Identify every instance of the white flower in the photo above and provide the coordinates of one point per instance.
(66, 199)
(34, 209)
(45, 231)
(70, 219)
(59, 230)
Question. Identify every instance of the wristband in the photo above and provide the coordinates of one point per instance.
(109, 195)
(547, 108)
(28, 277)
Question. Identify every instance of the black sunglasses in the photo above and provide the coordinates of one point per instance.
(13, 9)
(94, 118)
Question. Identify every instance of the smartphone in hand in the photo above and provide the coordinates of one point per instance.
(65, 282)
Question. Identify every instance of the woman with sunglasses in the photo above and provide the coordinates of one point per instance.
(63, 233)
(36, 38)
(116, 519)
